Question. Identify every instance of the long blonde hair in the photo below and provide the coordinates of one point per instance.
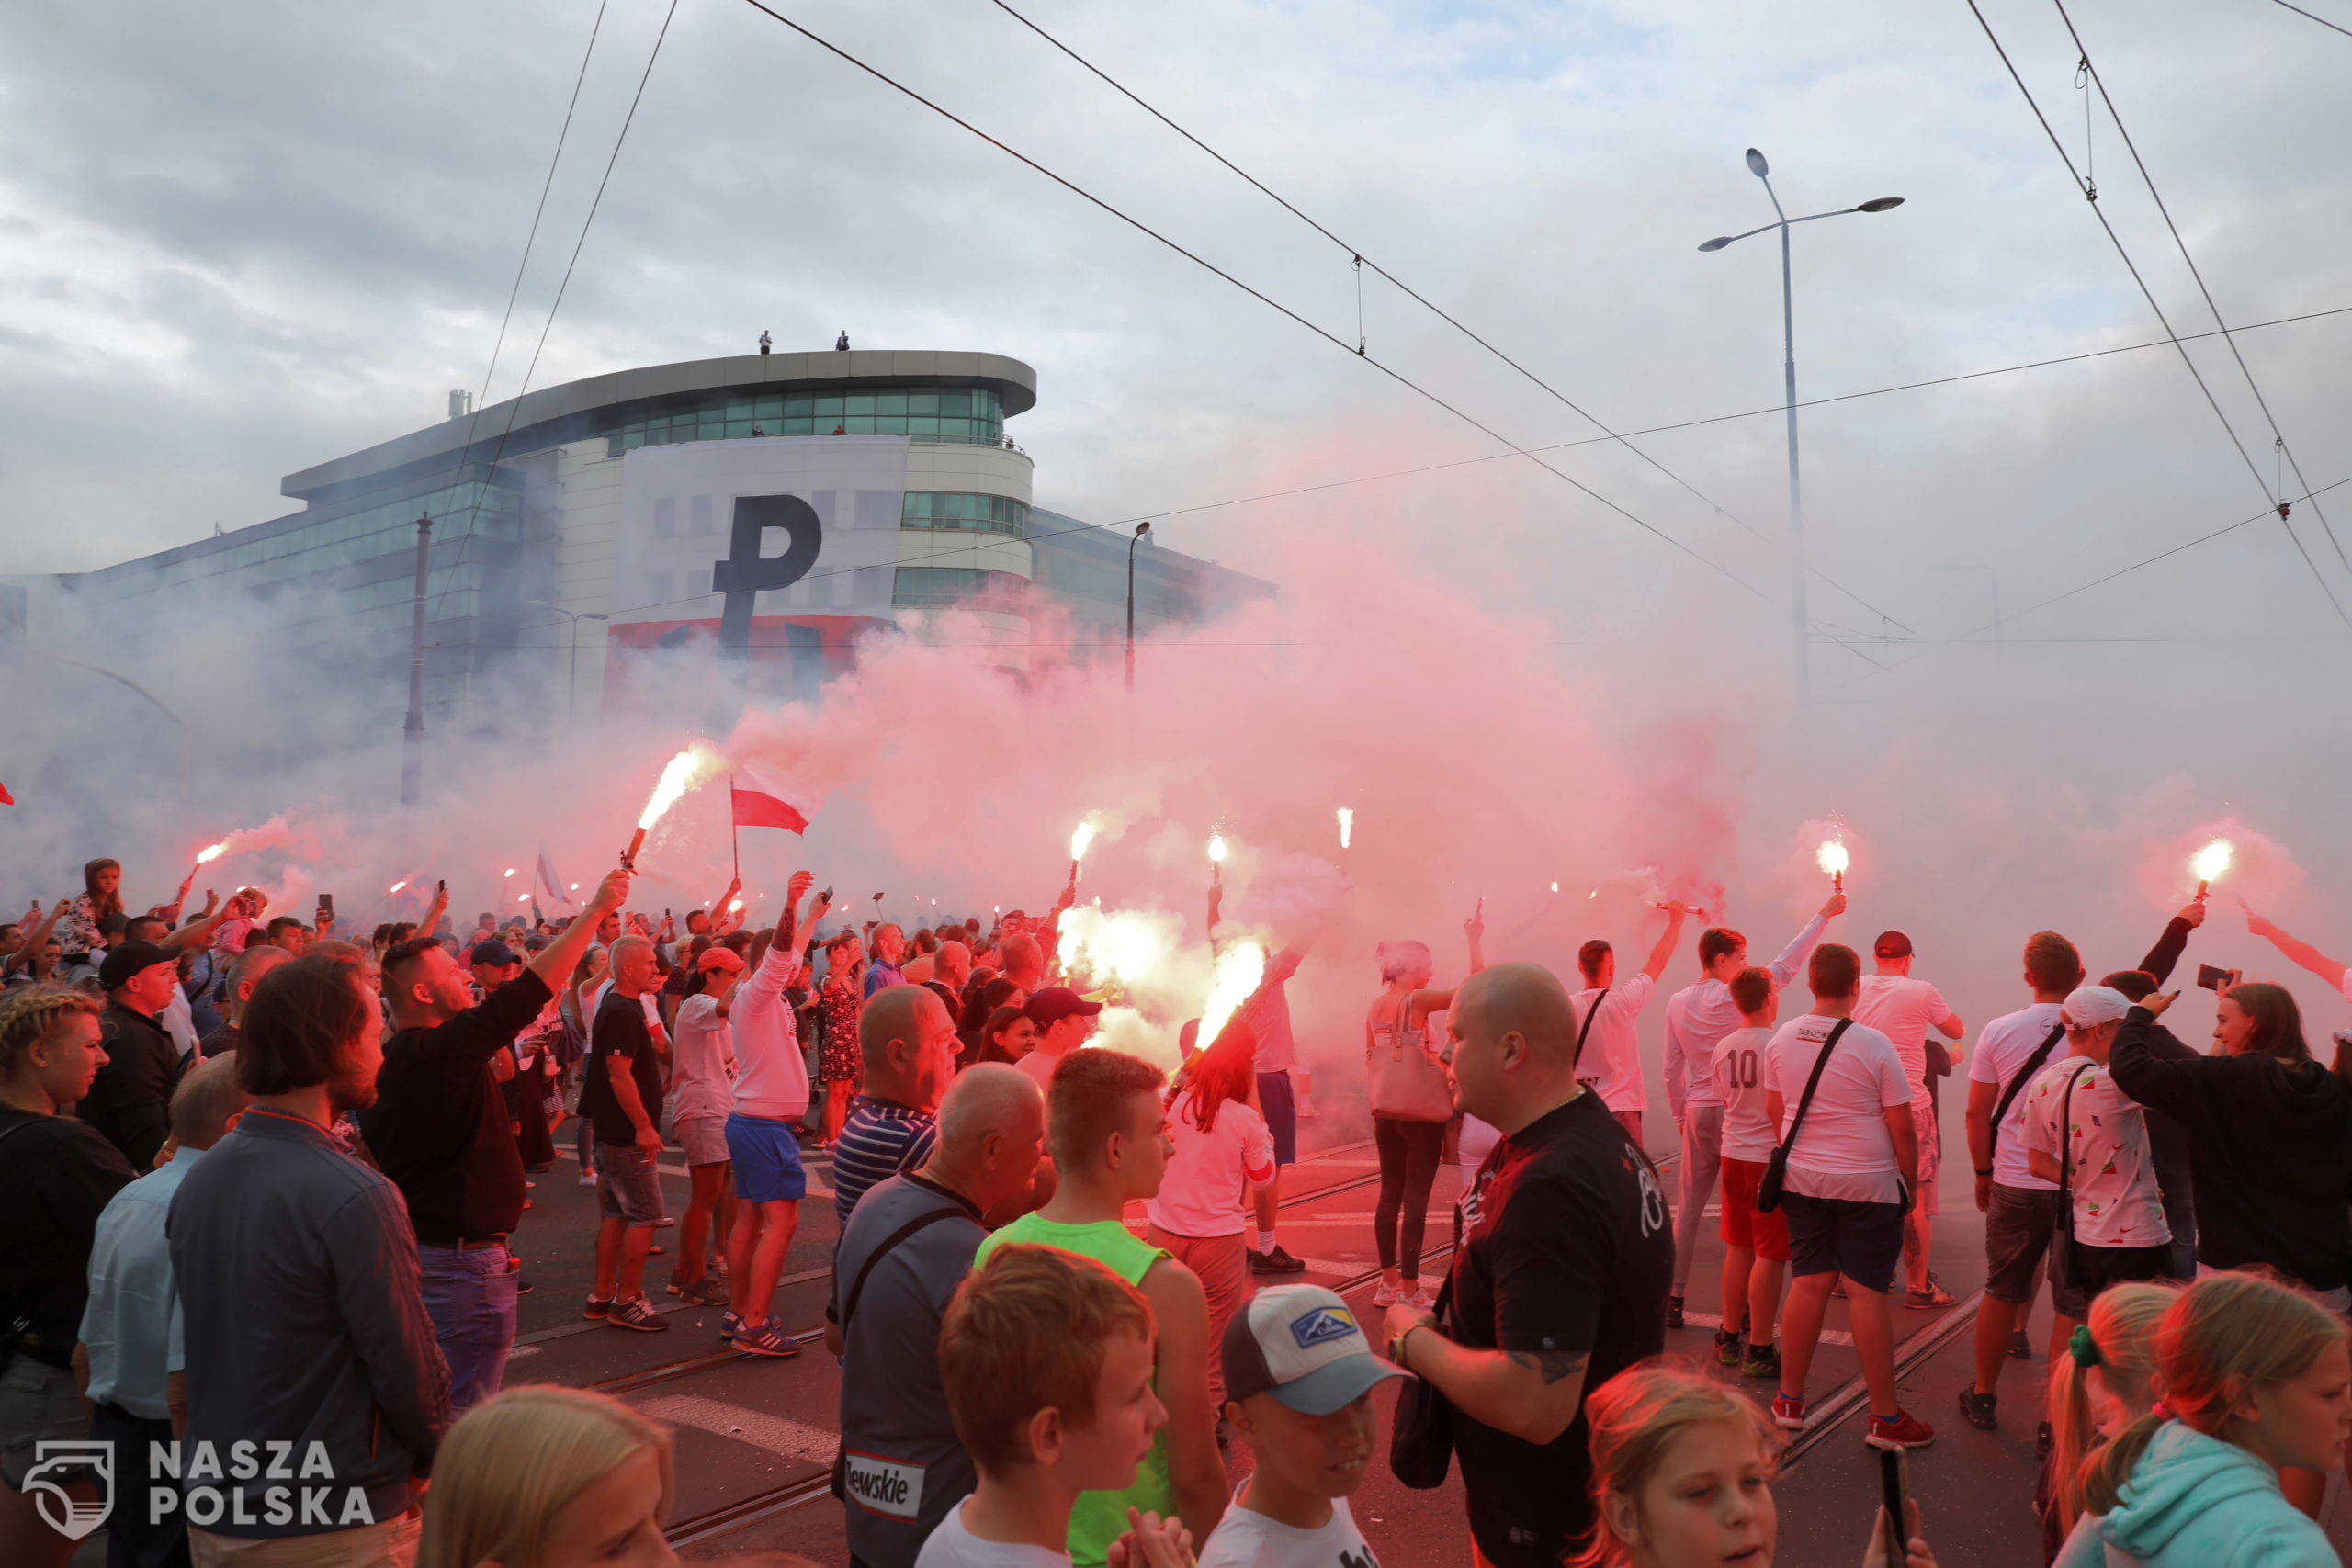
(2120, 1341)
(1633, 1416)
(2227, 1332)
(512, 1464)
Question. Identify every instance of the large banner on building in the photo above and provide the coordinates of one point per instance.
(722, 532)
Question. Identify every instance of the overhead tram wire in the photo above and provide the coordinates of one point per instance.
(2149, 294)
(2323, 21)
(514, 405)
(1361, 261)
(1556, 447)
(2243, 369)
(1270, 303)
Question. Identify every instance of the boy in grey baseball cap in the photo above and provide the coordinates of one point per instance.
(1298, 1379)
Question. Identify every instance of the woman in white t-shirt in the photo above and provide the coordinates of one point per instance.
(1224, 1153)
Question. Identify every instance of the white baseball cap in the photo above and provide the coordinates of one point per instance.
(2087, 1007)
(1302, 1343)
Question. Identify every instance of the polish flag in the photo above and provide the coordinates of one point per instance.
(757, 809)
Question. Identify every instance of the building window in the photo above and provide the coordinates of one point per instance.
(936, 586)
(966, 415)
(979, 514)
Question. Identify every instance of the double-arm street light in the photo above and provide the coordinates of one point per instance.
(1782, 221)
(572, 691)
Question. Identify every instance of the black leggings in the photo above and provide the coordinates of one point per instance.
(1408, 1157)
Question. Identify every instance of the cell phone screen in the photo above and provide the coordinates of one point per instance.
(1891, 1486)
(2211, 977)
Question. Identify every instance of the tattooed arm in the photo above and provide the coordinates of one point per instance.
(1532, 1395)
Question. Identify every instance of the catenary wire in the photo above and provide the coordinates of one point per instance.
(1263, 299)
(1500, 457)
(1360, 261)
(2323, 21)
(2148, 294)
(2210, 304)
(514, 406)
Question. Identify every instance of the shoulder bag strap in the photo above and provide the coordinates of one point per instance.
(1586, 1027)
(1796, 1124)
(890, 1242)
(2066, 1143)
(2025, 1076)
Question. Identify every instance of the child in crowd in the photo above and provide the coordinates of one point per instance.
(1047, 1358)
(1755, 1244)
(2255, 1378)
(1682, 1475)
(2104, 1382)
(549, 1477)
(1298, 1379)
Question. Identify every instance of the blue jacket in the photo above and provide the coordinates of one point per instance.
(2198, 1502)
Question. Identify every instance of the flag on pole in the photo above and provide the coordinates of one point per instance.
(5, 798)
(548, 880)
(757, 809)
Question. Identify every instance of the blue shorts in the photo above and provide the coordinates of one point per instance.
(767, 1160)
(1281, 1106)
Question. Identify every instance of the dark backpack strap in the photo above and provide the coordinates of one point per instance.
(2066, 1143)
(2025, 1076)
(1796, 1124)
(890, 1243)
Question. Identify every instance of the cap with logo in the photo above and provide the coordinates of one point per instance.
(1300, 1344)
(1892, 944)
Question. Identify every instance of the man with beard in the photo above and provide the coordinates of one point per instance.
(304, 1322)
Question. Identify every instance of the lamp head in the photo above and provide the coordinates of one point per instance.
(1880, 204)
(1143, 529)
(1718, 243)
(1756, 164)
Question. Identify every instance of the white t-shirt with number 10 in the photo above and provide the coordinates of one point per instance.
(1749, 1132)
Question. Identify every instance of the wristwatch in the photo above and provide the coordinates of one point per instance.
(1396, 1346)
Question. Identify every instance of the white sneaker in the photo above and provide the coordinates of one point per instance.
(1421, 1300)
(587, 1178)
(1388, 1295)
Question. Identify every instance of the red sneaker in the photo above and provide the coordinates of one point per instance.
(1906, 1431)
(1788, 1412)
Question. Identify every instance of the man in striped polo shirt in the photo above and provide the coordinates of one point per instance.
(908, 1042)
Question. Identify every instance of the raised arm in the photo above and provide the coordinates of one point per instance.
(197, 932)
(1792, 958)
(22, 958)
(560, 958)
(2168, 951)
(2302, 954)
(1675, 915)
(439, 906)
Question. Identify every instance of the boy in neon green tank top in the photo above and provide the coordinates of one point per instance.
(1108, 1132)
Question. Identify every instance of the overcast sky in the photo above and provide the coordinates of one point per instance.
(240, 238)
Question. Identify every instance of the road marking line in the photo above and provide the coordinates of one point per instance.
(792, 1440)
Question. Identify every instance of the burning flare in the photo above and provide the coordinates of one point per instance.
(1347, 825)
(1216, 848)
(1080, 837)
(1239, 969)
(2212, 859)
(1832, 857)
(211, 852)
(684, 770)
(397, 885)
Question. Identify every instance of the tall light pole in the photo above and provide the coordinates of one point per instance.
(1782, 221)
(572, 691)
(413, 731)
(1143, 531)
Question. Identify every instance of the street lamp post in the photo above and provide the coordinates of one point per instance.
(1782, 221)
(572, 690)
(1143, 531)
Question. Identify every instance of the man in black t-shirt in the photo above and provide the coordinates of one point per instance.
(1560, 1281)
(441, 1130)
(58, 1174)
(620, 1098)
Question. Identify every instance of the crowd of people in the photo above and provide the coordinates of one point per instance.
(265, 1178)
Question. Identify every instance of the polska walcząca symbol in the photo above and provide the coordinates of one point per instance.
(746, 573)
(62, 1460)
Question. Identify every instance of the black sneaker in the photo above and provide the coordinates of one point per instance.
(1674, 1312)
(597, 1309)
(1275, 1262)
(2019, 1346)
(1762, 1361)
(1727, 1346)
(635, 1312)
(1978, 1409)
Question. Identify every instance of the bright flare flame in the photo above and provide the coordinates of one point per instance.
(522, 898)
(1238, 969)
(1080, 837)
(1127, 945)
(211, 852)
(1216, 847)
(510, 871)
(1832, 857)
(397, 885)
(1347, 825)
(734, 906)
(2212, 859)
(687, 769)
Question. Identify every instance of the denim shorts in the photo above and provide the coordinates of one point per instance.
(2017, 1236)
(1842, 1236)
(627, 1187)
